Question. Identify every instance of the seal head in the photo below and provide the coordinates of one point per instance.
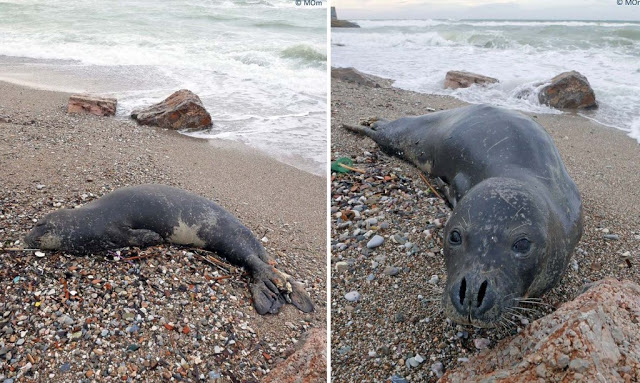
(497, 251)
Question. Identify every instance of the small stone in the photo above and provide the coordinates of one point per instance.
(434, 280)
(341, 267)
(391, 271)
(374, 242)
(612, 237)
(104, 333)
(218, 350)
(39, 254)
(438, 369)
(481, 343)
(398, 379)
(133, 347)
(352, 296)
(65, 367)
(418, 358)
(412, 362)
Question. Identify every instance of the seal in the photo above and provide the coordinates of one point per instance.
(517, 215)
(149, 215)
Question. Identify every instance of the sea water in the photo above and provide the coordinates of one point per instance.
(259, 66)
(418, 53)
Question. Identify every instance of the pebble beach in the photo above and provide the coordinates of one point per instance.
(163, 313)
(387, 268)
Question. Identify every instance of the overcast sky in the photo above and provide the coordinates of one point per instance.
(487, 9)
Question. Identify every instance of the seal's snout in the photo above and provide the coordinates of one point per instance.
(472, 297)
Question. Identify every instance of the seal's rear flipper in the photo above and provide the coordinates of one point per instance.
(266, 297)
(367, 131)
(272, 288)
(300, 298)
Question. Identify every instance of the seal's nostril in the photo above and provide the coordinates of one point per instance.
(463, 289)
(481, 293)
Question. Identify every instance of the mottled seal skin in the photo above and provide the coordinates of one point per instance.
(517, 215)
(149, 215)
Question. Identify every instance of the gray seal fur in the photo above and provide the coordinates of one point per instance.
(517, 215)
(149, 215)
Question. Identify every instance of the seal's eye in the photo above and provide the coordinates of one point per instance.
(522, 246)
(455, 238)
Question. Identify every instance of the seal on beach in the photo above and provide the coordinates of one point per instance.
(149, 215)
(517, 215)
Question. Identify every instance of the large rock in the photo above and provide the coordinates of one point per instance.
(455, 79)
(182, 110)
(343, 24)
(306, 365)
(355, 76)
(335, 23)
(594, 338)
(568, 90)
(99, 106)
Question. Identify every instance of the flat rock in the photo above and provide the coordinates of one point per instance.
(595, 335)
(182, 110)
(308, 364)
(455, 79)
(353, 75)
(568, 90)
(88, 104)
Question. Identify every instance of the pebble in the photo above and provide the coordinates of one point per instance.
(434, 280)
(612, 237)
(65, 367)
(398, 379)
(438, 369)
(342, 266)
(391, 270)
(352, 296)
(374, 242)
(104, 333)
(481, 343)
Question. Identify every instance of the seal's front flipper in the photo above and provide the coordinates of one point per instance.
(143, 238)
(300, 298)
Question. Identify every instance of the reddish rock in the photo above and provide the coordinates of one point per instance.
(182, 110)
(460, 79)
(568, 90)
(307, 365)
(594, 338)
(99, 106)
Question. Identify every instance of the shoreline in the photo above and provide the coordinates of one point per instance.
(53, 160)
(100, 81)
(397, 316)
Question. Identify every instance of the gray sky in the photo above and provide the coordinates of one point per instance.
(487, 9)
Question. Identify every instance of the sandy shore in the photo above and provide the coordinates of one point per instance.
(157, 317)
(395, 320)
